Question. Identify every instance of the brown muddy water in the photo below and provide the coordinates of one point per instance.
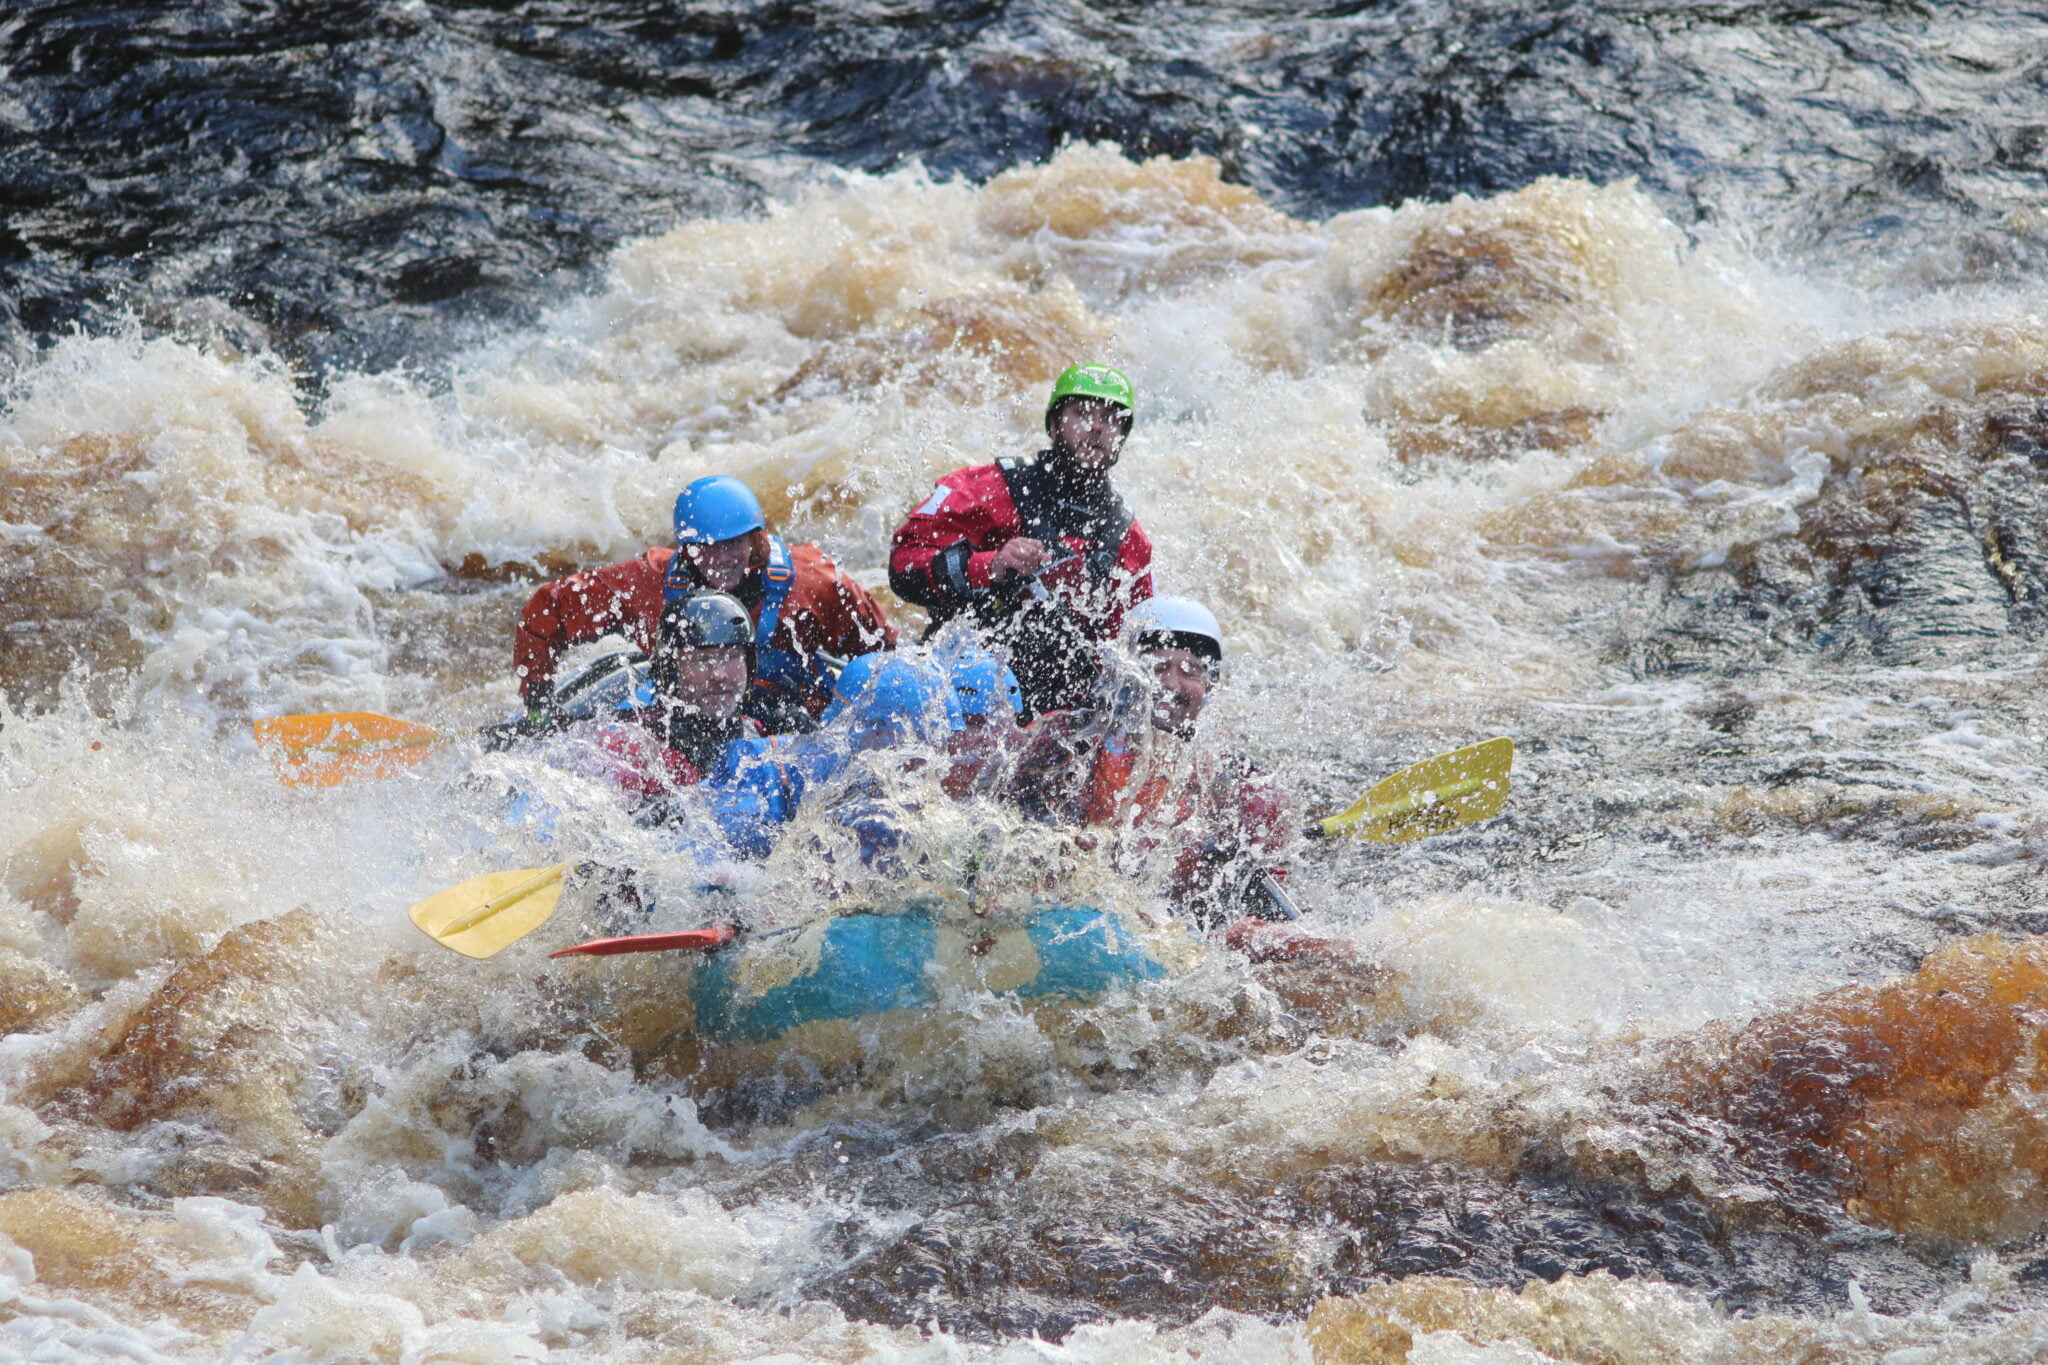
(1723, 1043)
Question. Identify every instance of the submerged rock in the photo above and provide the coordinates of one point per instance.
(217, 1050)
(1922, 1098)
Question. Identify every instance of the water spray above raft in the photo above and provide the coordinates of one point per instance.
(487, 914)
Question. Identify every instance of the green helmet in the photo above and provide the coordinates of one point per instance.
(1092, 381)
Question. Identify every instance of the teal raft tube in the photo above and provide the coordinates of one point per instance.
(861, 964)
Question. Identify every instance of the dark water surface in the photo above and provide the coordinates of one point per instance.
(368, 183)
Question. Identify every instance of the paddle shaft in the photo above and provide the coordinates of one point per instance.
(717, 936)
(712, 937)
(1269, 885)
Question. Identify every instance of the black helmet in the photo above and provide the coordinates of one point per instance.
(698, 620)
(705, 620)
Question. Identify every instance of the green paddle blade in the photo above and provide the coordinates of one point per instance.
(1434, 796)
(488, 914)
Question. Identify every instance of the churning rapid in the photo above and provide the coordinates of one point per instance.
(1725, 499)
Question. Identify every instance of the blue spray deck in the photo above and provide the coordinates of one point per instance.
(869, 963)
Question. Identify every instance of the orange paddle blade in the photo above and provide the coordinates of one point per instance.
(716, 935)
(345, 746)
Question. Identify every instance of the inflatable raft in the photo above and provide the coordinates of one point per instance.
(861, 964)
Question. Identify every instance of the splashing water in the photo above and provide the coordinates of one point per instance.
(1736, 1009)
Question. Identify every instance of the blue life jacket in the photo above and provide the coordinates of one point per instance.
(765, 785)
(762, 783)
(750, 794)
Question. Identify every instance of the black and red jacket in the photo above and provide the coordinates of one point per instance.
(1101, 567)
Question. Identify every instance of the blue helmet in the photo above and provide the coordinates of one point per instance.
(887, 690)
(853, 680)
(983, 684)
(717, 508)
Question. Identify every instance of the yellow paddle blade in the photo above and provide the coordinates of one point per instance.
(1434, 796)
(345, 746)
(488, 914)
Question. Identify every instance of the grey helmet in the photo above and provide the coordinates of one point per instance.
(705, 620)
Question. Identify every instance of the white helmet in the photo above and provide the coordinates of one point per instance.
(1179, 621)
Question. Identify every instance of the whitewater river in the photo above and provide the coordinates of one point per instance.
(1666, 388)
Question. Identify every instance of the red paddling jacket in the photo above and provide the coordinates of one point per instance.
(1101, 567)
(804, 606)
(1217, 818)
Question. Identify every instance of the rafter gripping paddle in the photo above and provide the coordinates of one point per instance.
(485, 915)
(1434, 796)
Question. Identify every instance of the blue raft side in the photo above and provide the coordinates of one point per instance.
(871, 963)
(1082, 953)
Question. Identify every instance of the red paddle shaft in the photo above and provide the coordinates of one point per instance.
(716, 935)
(1256, 939)
(1263, 941)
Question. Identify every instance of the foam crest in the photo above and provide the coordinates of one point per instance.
(642, 1241)
(175, 516)
(1599, 1320)
(1510, 974)
(1431, 465)
(843, 350)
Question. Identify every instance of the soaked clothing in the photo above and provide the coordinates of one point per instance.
(1101, 567)
(745, 799)
(787, 773)
(678, 775)
(859, 802)
(983, 768)
(815, 610)
(1216, 819)
(621, 753)
(699, 777)
(649, 758)
(633, 758)
(1077, 769)
(784, 769)
(702, 742)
